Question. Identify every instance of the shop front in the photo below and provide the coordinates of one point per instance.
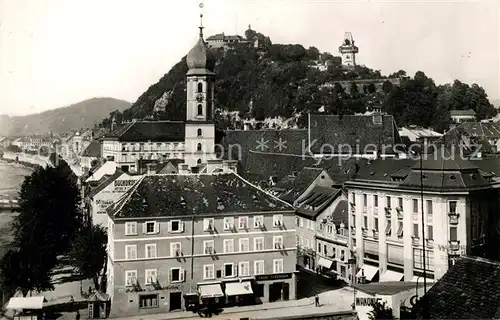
(211, 294)
(327, 267)
(275, 287)
(239, 293)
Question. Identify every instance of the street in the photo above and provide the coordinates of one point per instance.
(310, 284)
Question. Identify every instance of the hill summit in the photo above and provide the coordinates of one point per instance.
(258, 79)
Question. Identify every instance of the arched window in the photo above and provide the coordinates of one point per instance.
(198, 147)
(200, 87)
(200, 110)
(199, 161)
(199, 132)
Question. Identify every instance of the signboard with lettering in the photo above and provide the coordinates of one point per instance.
(123, 185)
(102, 205)
(367, 302)
(267, 277)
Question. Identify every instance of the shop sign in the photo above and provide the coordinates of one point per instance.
(123, 185)
(267, 277)
(172, 287)
(102, 205)
(367, 302)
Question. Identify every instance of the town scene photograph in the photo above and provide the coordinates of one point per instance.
(249, 159)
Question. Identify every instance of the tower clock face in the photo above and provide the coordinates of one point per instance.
(199, 98)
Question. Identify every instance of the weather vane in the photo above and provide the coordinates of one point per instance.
(201, 19)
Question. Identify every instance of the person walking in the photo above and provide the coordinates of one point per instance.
(316, 300)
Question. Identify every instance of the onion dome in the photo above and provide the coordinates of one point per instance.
(200, 57)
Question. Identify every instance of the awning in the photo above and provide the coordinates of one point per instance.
(210, 291)
(390, 275)
(238, 288)
(325, 262)
(421, 280)
(369, 271)
(26, 303)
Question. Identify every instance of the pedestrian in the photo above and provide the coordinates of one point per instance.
(316, 300)
(77, 315)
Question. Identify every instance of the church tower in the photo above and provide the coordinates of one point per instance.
(200, 123)
(348, 51)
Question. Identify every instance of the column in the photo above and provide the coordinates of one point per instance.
(408, 233)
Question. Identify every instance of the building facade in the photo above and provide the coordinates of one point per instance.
(348, 51)
(216, 237)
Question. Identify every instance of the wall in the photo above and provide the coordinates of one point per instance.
(26, 158)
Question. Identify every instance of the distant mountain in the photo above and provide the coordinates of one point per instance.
(84, 114)
(495, 102)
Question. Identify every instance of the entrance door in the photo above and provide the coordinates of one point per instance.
(275, 291)
(175, 301)
(286, 291)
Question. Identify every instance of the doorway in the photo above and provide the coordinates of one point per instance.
(175, 301)
(275, 291)
(286, 291)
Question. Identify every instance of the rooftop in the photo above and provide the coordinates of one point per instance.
(106, 181)
(457, 113)
(318, 200)
(144, 131)
(93, 149)
(386, 288)
(469, 290)
(488, 130)
(292, 187)
(194, 195)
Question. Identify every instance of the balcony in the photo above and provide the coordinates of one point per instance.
(429, 243)
(364, 232)
(415, 241)
(375, 234)
(454, 245)
(388, 212)
(453, 217)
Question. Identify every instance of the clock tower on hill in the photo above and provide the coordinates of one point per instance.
(200, 123)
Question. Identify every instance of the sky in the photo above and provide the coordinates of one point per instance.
(54, 53)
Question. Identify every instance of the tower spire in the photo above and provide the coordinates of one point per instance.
(201, 21)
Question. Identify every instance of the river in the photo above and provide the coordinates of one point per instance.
(11, 177)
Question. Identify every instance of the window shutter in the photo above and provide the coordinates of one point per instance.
(182, 274)
(223, 271)
(235, 270)
(170, 226)
(181, 226)
(205, 224)
(170, 276)
(144, 228)
(157, 227)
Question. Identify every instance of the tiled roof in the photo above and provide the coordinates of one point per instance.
(108, 179)
(183, 195)
(280, 166)
(488, 130)
(222, 36)
(143, 131)
(93, 149)
(317, 200)
(340, 214)
(295, 186)
(386, 288)
(468, 112)
(356, 134)
(262, 141)
(469, 290)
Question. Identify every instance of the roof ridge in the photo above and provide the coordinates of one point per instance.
(127, 195)
(130, 126)
(267, 193)
(480, 259)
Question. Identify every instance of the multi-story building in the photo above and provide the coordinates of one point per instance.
(177, 239)
(401, 211)
(222, 40)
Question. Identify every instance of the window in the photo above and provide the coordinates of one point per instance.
(131, 252)
(258, 243)
(229, 270)
(400, 202)
(198, 161)
(342, 255)
(334, 252)
(319, 247)
(388, 200)
(244, 245)
(429, 206)
(198, 147)
(375, 201)
(208, 272)
(208, 246)
(415, 230)
(388, 229)
(418, 259)
(148, 301)
(277, 265)
(228, 245)
(200, 110)
(199, 133)
(278, 242)
(325, 249)
(353, 216)
(365, 222)
(302, 222)
(130, 228)
(415, 205)
(353, 198)
(150, 250)
(244, 269)
(258, 221)
(365, 199)
(228, 223)
(453, 234)
(258, 267)
(400, 229)
(297, 219)
(277, 220)
(453, 206)
(176, 275)
(430, 233)
(175, 249)
(208, 224)
(130, 277)
(243, 223)
(150, 275)
(200, 87)
(375, 224)
(175, 226)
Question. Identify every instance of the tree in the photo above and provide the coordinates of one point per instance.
(88, 253)
(381, 312)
